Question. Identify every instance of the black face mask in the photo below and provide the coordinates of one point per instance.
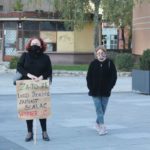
(35, 49)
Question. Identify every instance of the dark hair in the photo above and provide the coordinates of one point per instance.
(43, 44)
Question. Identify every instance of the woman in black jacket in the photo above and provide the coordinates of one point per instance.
(101, 78)
(35, 65)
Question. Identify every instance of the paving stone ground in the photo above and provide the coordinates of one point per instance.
(71, 127)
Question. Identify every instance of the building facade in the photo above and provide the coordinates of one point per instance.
(64, 46)
(141, 28)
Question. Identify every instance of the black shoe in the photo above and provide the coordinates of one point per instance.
(29, 137)
(45, 136)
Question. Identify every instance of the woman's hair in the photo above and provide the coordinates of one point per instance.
(97, 48)
(100, 47)
(43, 44)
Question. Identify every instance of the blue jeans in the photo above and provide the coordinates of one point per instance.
(100, 106)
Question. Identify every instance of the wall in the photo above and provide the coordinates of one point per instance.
(84, 39)
(65, 41)
(126, 36)
(141, 28)
(71, 58)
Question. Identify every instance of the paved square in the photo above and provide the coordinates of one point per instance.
(71, 126)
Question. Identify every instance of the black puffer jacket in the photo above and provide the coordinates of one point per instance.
(36, 65)
(101, 77)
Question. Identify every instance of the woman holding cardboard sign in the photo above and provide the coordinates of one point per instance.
(35, 65)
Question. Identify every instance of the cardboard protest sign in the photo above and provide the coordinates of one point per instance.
(33, 99)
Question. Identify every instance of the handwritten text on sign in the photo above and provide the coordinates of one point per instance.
(33, 99)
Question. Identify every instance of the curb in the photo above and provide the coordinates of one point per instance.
(64, 73)
(84, 73)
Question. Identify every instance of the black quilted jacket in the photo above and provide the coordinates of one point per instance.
(101, 77)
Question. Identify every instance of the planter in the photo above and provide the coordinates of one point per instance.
(141, 81)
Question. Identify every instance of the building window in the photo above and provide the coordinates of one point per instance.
(61, 27)
(113, 41)
(0, 33)
(1, 26)
(51, 47)
(10, 42)
(30, 29)
(48, 26)
(10, 25)
(20, 41)
(28, 35)
(0, 44)
(1, 29)
(31, 25)
(1, 7)
(104, 40)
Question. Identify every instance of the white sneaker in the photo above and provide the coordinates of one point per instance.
(103, 130)
(97, 127)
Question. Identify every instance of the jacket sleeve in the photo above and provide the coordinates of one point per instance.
(89, 77)
(48, 71)
(113, 77)
(20, 65)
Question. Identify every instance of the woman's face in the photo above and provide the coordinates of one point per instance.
(36, 42)
(100, 54)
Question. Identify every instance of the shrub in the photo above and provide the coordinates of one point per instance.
(13, 62)
(124, 62)
(145, 60)
(112, 55)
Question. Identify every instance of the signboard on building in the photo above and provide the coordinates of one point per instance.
(65, 41)
(48, 37)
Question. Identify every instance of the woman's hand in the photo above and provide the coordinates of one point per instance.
(40, 77)
(31, 76)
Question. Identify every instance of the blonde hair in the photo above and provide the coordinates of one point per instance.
(100, 47)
